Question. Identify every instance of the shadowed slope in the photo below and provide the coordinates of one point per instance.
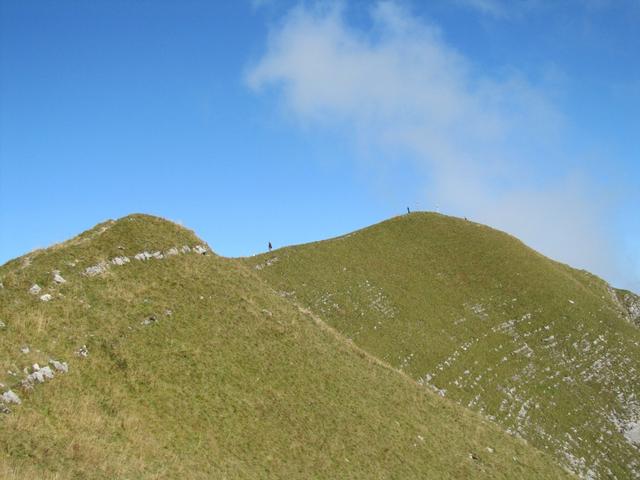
(549, 352)
(183, 365)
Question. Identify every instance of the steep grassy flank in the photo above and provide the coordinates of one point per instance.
(190, 366)
(545, 350)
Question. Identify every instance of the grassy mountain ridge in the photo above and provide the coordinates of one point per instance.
(189, 365)
(549, 352)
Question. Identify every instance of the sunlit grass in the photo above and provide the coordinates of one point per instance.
(231, 380)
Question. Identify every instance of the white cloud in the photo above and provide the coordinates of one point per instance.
(487, 142)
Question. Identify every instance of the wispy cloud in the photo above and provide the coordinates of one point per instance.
(490, 7)
(509, 9)
(489, 143)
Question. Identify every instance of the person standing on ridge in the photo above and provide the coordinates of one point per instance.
(270, 246)
(408, 211)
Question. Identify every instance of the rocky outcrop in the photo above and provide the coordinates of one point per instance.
(120, 260)
(96, 269)
(629, 303)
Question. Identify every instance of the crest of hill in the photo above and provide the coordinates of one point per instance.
(177, 363)
(549, 352)
(133, 233)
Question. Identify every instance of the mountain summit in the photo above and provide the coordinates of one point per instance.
(550, 353)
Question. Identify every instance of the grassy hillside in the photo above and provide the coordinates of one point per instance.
(549, 352)
(184, 365)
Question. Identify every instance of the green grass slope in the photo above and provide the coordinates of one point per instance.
(183, 365)
(548, 352)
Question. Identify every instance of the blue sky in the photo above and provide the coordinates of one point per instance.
(289, 122)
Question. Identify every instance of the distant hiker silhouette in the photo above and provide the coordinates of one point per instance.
(408, 211)
(270, 246)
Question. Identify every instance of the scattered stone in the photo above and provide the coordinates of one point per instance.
(200, 249)
(59, 366)
(10, 397)
(490, 450)
(268, 263)
(35, 289)
(39, 375)
(46, 297)
(4, 408)
(473, 456)
(142, 256)
(96, 269)
(57, 277)
(25, 349)
(120, 260)
(2, 325)
(151, 319)
(157, 255)
(172, 251)
(267, 312)
(83, 351)
(120, 247)
(185, 249)
(168, 312)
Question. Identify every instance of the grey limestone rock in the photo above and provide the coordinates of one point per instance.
(120, 260)
(57, 277)
(38, 375)
(200, 249)
(59, 366)
(10, 397)
(150, 320)
(96, 269)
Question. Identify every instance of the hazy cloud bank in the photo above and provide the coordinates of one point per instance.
(490, 143)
